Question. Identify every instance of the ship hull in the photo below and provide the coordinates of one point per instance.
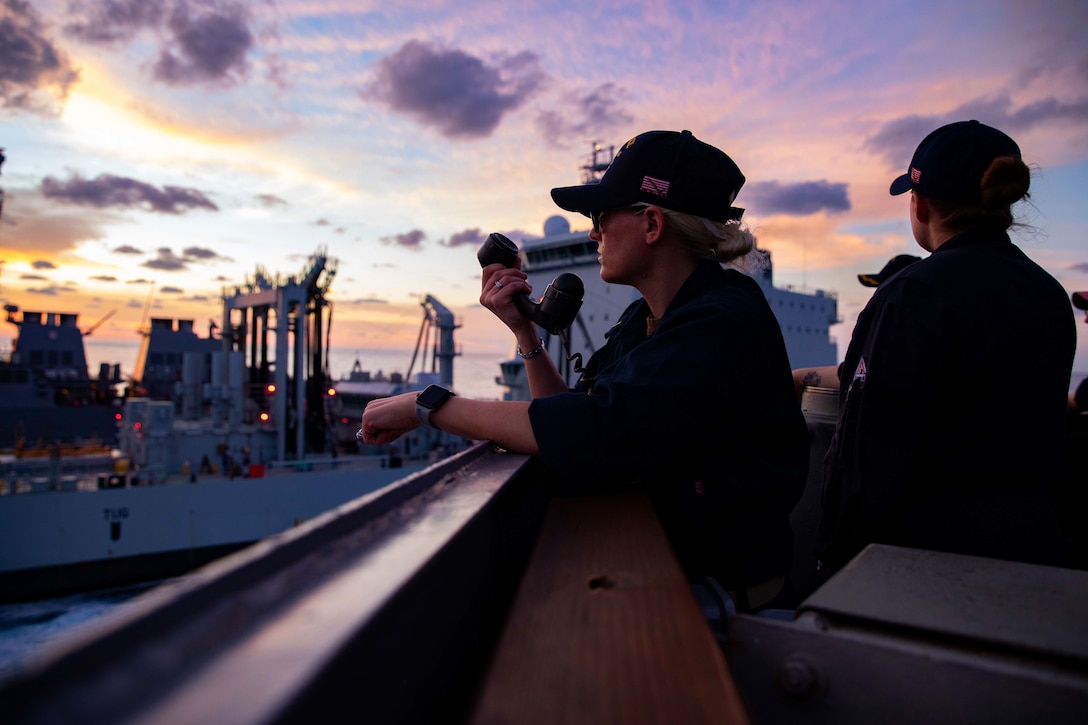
(57, 542)
(44, 425)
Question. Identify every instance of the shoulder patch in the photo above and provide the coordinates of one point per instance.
(860, 371)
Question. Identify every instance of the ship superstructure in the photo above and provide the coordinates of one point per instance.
(253, 395)
(46, 394)
(160, 363)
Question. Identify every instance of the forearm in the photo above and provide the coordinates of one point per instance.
(505, 423)
(826, 376)
(500, 287)
(540, 371)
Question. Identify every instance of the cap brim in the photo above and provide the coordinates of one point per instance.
(868, 280)
(587, 198)
(900, 185)
(1080, 300)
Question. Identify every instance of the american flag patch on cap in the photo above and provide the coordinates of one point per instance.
(657, 187)
(915, 175)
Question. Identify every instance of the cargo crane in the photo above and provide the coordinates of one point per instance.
(288, 381)
(354, 392)
(439, 322)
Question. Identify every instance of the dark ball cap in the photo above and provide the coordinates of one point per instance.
(950, 162)
(671, 169)
(895, 264)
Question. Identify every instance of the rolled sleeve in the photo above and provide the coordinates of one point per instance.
(567, 433)
(660, 402)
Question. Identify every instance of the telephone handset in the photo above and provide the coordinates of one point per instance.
(562, 299)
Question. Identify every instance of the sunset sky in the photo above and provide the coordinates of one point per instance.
(166, 148)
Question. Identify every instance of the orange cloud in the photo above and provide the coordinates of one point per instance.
(32, 228)
(815, 242)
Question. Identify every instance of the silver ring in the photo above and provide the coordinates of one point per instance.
(498, 284)
(359, 434)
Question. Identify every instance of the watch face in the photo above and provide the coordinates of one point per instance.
(433, 396)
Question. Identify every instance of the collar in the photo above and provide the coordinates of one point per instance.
(637, 316)
(974, 236)
(706, 276)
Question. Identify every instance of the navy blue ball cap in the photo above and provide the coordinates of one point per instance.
(950, 162)
(671, 169)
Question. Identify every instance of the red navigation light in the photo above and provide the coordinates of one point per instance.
(137, 425)
(264, 417)
(117, 416)
(345, 421)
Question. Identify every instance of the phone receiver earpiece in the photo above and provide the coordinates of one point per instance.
(562, 299)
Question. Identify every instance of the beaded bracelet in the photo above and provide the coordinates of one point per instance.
(526, 355)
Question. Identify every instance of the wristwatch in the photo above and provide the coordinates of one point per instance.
(431, 399)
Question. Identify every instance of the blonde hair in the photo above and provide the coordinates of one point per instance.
(729, 242)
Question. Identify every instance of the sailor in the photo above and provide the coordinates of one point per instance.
(690, 399)
(894, 266)
(827, 376)
(920, 459)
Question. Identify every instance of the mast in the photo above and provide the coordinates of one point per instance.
(597, 163)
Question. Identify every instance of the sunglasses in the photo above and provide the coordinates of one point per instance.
(597, 217)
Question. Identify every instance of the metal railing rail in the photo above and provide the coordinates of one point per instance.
(385, 607)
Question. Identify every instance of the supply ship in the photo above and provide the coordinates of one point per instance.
(221, 441)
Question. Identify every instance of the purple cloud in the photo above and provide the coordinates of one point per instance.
(452, 91)
(806, 197)
(110, 21)
(208, 47)
(34, 74)
(409, 240)
(118, 191)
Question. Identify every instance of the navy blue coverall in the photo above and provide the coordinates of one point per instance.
(701, 414)
(952, 417)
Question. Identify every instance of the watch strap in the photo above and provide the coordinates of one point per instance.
(423, 412)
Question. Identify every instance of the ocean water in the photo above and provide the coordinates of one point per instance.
(29, 628)
(473, 373)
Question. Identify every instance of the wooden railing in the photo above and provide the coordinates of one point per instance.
(605, 628)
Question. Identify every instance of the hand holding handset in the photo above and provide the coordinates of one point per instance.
(559, 306)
